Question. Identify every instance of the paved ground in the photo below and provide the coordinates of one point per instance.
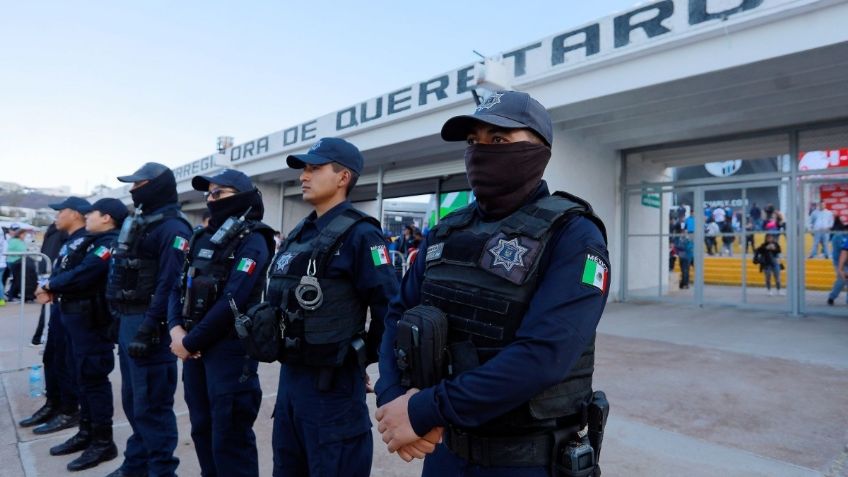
(694, 391)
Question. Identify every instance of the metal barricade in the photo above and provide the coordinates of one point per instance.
(398, 260)
(48, 271)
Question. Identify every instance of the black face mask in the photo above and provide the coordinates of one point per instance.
(503, 176)
(234, 206)
(158, 192)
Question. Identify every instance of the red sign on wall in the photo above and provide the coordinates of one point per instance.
(835, 198)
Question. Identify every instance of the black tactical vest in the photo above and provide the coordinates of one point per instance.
(483, 276)
(71, 260)
(320, 337)
(207, 270)
(132, 276)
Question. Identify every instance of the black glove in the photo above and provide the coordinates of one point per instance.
(113, 330)
(143, 342)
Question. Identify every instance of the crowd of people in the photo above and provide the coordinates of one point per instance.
(494, 284)
(726, 225)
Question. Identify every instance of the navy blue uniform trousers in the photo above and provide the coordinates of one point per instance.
(322, 433)
(444, 463)
(93, 360)
(58, 359)
(223, 396)
(147, 394)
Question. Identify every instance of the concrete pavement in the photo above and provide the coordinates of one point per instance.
(693, 391)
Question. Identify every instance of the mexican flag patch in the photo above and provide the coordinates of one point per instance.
(103, 252)
(246, 265)
(180, 244)
(595, 272)
(380, 255)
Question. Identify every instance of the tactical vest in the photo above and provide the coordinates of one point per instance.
(482, 275)
(71, 261)
(207, 269)
(132, 277)
(320, 337)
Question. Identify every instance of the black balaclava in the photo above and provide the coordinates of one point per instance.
(503, 176)
(234, 206)
(157, 193)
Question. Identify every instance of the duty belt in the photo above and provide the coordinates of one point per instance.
(73, 307)
(513, 451)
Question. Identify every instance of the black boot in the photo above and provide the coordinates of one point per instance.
(47, 411)
(78, 442)
(57, 423)
(102, 448)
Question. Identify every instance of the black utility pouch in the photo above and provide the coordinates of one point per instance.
(421, 347)
(261, 331)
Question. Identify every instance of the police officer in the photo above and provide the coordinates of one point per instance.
(61, 411)
(522, 277)
(226, 261)
(80, 285)
(331, 268)
(145, 266)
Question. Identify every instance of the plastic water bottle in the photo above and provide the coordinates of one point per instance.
(36, 381)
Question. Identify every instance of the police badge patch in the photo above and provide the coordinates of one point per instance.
(434, 252)
(205, 253)
(283, 262)
(510, 258)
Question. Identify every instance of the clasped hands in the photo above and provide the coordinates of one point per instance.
(396, 430)
(43, 296)
(177, 335)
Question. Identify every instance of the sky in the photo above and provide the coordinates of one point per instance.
(90, 90)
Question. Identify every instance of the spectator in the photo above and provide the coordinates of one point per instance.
(708, 211)
(719, 214)
(756, 217)
(2, 268)
(837, 242)
(749, 235)
(773, 220)
(768, 257)
(711, 231)
(685, 252)
(16, 244)
(727, 238)
(820, 222)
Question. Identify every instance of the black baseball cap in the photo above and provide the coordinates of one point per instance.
(326, 150)
(74, 203)
(114, 207)
(506, 109)
(228, 178)
(148, 171)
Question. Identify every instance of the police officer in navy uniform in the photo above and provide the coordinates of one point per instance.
(333, 266)
(522, 276)
(80, 286)
(145, 266)
(227, 260)
(61, 411)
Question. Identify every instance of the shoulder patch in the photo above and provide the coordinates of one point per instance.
(379, 255)
(434, 252)
(595, 271)
(103, 252)
(246, 265)
(180, 244)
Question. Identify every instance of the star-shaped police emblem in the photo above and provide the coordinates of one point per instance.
(315, 146)
(283, 262)
(490, 101)
(508, 253)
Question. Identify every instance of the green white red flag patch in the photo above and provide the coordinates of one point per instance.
(246, 265)
(595, 272)
(180, 244)
(103, 252)
(380, 255)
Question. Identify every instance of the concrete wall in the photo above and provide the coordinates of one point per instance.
(590, 171)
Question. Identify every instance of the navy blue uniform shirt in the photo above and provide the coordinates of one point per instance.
(375, 284)
(162, 241)
(218, 321)
(556, 329)
(93, 268)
